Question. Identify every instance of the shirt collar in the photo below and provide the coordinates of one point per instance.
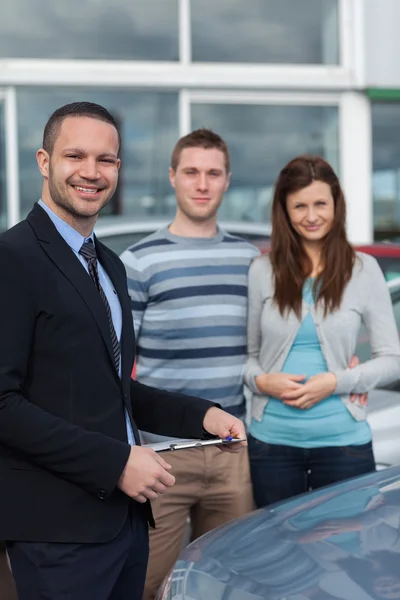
(73, 238)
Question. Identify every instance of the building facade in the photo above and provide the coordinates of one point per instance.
(274, 78)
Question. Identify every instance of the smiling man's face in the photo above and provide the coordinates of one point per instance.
(81, 174)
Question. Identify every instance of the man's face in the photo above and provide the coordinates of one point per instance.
(81, 173)
(200, 181)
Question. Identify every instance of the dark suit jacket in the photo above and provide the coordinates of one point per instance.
(63, 442)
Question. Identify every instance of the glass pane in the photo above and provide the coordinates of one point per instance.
(386, 168)
(122, 29)
(3, 201)
(262, 139)
(149, 129)
(265, 31)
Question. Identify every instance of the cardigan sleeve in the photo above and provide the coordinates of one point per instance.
(384, 366)
(255, 307)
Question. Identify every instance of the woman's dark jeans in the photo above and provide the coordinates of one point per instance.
(279, 472)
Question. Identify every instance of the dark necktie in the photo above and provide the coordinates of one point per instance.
(88, 252)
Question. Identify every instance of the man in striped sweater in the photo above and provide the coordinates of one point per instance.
(188, 285)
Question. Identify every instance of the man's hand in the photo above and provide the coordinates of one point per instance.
(222, 424)
(145, 475)
(275, 384)
(361, 398)
(313, 391)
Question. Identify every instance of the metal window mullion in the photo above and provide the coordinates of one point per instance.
(169, 75)
(346, 25)
(355, 157)
(11, 156)
(185, 41)
(246, 97)
(185, 118)
(359, 47)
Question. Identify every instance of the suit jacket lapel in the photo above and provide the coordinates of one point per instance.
(65, 260)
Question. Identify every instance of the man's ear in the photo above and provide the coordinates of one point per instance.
(228, 180)
(43, 161)
(172, 176)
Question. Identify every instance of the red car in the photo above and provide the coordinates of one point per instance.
(387, 255)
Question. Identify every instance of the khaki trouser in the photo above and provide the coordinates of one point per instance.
(212, 487)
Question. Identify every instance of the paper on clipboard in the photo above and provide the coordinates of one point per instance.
(173, 445)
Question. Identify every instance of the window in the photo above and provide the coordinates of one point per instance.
(149, 129)
(265, 31)
(93, 29)
(262, 139)
(386, 168)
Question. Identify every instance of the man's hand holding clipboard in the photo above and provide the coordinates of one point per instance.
(225, 427)
(146, 474)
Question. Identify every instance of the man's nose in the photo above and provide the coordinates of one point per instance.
(202, 181)
(89, 169)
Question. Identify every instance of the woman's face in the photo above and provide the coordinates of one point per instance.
(311, 211)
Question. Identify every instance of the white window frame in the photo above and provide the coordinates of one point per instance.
(189, 97)
(8, 99)
(186, 74)
(355, 159)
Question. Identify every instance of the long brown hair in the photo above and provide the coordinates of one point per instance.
(290, 262)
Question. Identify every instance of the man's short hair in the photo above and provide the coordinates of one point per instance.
(75, 109)
(200, 138)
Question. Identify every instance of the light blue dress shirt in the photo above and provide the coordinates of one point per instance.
(75, 240)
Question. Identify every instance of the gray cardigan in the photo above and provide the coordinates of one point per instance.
(366, 299)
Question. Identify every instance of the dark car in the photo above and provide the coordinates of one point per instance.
(342, 541)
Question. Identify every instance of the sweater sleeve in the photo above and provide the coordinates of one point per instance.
(137, 287)
(384, 366)
(255, 307)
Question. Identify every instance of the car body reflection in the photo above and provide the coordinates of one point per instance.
(339, 542)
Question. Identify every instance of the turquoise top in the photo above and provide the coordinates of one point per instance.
(328, 423)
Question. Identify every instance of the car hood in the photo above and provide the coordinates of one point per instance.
(338, 542)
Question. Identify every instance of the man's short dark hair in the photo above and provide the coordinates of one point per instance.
(200, 138)
(75, 109)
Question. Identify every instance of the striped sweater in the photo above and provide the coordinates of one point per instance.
(189, 305)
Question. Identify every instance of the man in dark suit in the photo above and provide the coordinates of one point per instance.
(75, 482)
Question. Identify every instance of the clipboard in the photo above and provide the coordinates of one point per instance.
(172, 446)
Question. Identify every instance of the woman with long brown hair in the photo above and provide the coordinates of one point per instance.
(307, 300)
